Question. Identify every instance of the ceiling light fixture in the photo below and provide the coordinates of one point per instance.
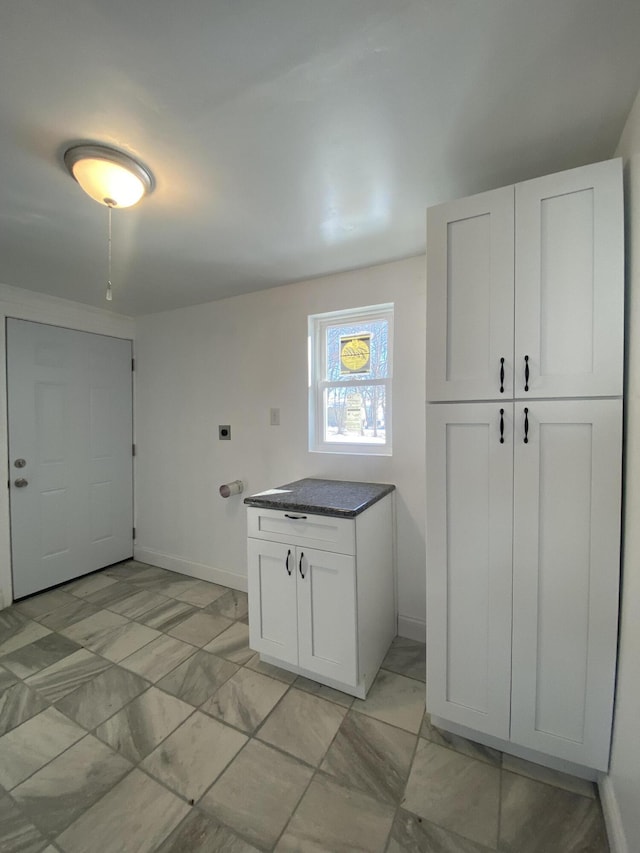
(110, 177)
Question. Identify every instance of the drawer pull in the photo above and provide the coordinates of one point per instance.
(286, 563)
(502, 375)
(300, 564)
(294, 517)
(526, 373)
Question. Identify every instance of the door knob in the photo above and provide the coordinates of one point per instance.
(20, 463)
(20, 483)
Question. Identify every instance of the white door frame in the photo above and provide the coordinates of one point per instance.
(26, 305)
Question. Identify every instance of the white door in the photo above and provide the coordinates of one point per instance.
(569, 283)
(273, 623)
(469, 539)
(70, 453)
(327, 614)
(565, 583)
(470, 298)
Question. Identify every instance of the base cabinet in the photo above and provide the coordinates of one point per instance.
(523, 502)
(322, 593)
(303, 608)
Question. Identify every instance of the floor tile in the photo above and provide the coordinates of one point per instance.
(138, 603)
(17, 834)
(546, 774)
(68, 614)
(202, 594)
(245, 699)
(459, 743)
(96, 700)
(36, 656)
(411, 834)
(89, 584)
(191, 758)
(11, 621)
(18, 704)
(140, 726)
(233, 604)
(159, 657)
(241, 800)
(455, 792)
(123, 641)
(135, 816)
(198, 678)
(200, 833)
(394, 699)
(200, 628)
(164, 616)
(407, 657)
(332, 817)
(371, 757)
(323, 691)
(41, 605)
(33, 744)
(67, 674)
(254, 663)
(232, 644)
(58, 793)
(90, 632)
(174, 588)
(110, 595)
(25, 634)
(6, 679)
(132, 570)
(538, 817)
(303, 725)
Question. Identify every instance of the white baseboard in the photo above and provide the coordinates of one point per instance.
(412, 629)
(187, 567)
(612, 817)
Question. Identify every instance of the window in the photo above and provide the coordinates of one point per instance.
(350, 370)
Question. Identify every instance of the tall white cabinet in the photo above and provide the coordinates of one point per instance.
(524, 433)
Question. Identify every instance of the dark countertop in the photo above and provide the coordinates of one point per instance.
(341, 498)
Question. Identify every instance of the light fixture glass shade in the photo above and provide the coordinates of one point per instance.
(107, 175)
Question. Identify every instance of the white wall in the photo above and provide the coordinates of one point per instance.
(621, 789)
(27, 305)
(228, 362)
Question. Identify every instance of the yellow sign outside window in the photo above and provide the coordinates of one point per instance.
(355, 353)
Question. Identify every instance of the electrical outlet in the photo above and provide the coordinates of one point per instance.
(224, 432)
(274, 417)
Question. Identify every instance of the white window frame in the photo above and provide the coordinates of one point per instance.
(317, 354)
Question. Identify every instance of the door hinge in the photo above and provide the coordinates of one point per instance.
(133, 450)
(133, 364)
(134, 533)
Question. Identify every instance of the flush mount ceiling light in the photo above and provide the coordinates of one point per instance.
(111, 178)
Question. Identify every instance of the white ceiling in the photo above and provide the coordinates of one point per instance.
(288, 138)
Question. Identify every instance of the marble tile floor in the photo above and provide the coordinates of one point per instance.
(134, 717)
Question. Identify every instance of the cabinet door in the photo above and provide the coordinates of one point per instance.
(565, 583)
(569, 283)
(327, 616)
(470, 297)
(273, 628)
(469, 562)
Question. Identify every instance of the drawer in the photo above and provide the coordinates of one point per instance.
(296, 528)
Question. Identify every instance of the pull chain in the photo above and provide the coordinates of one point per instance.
(109, 294)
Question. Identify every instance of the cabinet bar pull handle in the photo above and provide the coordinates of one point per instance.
(294, 517)
(526, 373)
(502, 375)
(300, 564)
(286, 563)
(526, 426)
(501, 426)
